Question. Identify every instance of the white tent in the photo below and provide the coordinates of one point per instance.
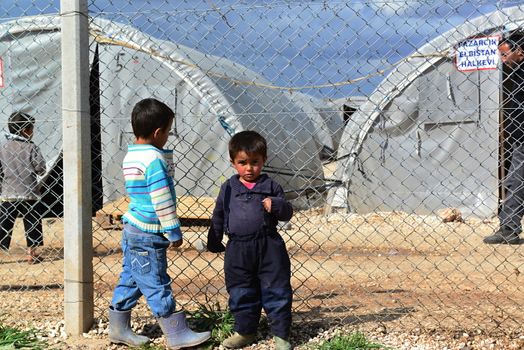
(428, 136)
(316, 122)
(212, 98)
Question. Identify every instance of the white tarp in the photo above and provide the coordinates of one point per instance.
(212, 98)
(428, 136)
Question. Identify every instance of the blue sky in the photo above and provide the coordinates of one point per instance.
(291, 43)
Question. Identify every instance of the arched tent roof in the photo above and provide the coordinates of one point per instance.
(213, 97)
(401, 78)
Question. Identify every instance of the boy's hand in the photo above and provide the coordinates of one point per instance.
(214, 241)
(174, 235)
(215, 247)
(175, 238)
(175, 244)
(267, 204)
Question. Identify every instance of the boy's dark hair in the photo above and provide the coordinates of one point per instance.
(19, 121)
(149, 115)
(514, 40)
(248, 141)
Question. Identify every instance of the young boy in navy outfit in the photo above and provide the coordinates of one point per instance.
(150, 227)
(256, 262)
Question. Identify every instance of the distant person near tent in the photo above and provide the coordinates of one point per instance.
(512, 207)
(20, 163)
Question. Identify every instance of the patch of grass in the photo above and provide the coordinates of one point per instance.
(213, 318)
(150, 347)
(354, 341)
(14, 338)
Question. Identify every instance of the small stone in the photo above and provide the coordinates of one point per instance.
(199, 245)
(450, 215)
(285, 225)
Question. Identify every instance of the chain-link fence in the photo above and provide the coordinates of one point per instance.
(391, 126)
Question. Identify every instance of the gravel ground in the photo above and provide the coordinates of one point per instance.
(306, 338)
(457, 292)
(305, 335)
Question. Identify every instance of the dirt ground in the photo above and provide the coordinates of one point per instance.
(387, 271)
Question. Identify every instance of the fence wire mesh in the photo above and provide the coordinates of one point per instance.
(394, 156)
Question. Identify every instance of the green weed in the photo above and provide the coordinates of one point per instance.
(213, 318)
(150, 347)
(355, 341)
(13, 338)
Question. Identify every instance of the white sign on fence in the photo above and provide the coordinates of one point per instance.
(477, 54)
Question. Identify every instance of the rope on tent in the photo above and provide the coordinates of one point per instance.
(358, 162)
(102, 39)
(314, 189)
(306, 177)
(268, 169)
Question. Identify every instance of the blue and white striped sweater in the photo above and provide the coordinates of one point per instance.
(151, 191)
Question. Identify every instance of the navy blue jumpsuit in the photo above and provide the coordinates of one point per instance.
(256, 263)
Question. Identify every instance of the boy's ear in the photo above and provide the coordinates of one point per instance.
(520, 52)
(156, 132)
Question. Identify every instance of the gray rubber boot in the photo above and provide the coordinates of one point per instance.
(177, 333)
(282, 344)
(120, 331)
(237, 340)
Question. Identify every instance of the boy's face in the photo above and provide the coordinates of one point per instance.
(509, 57)
(160, 136)
(28, 132)
(247, 166)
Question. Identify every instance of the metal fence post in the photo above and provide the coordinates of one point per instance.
(78, 249)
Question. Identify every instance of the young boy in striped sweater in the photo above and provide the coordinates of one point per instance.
(151, 226)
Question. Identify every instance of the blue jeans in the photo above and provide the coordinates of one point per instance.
(144, 273)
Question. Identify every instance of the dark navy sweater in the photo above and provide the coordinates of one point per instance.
(246, 214)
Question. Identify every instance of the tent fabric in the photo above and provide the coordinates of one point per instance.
(413, 146)
(212, 97)
(335, 112)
